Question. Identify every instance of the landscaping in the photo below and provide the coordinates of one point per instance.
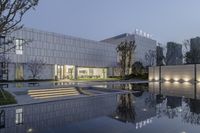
(6, 98)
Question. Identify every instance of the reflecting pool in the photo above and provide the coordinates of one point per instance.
(148, 108)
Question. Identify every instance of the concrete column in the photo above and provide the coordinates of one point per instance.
(75, 72)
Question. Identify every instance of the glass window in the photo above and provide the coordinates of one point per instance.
(19, 72)
(19, 46)
(19, 116)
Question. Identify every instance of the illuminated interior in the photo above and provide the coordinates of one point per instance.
(64, 71)
(72, 72)
(96, 73)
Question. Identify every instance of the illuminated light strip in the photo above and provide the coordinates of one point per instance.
(32, 93)
(45, 97)
(51, 89)
(51, 94)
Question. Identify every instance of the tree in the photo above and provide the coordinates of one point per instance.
(125, 50)
(11, 13)
(150, 57)
(137, 68)
(36, 66)
(160, 58)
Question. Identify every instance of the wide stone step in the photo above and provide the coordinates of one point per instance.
(57, 93)
(41, 90)
(54, 96)
(52, 93)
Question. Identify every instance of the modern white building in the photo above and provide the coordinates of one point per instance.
(66, 57)
(143, 42)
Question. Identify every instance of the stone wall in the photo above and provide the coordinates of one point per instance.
(175, 73)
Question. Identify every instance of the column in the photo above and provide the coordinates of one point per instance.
(75, 72)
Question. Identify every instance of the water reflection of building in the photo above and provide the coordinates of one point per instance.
(173, 102)
(173, 89)
(162, 100)
(177, 99)
(38, 116)
(194, 106)
(140, 112)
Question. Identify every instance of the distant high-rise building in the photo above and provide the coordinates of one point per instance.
(195, 43)
(194, 53)
(159, 56)
(143, 44)
(174, 54)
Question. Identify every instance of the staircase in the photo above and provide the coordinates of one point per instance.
(52, 93)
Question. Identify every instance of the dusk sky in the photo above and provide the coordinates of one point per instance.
(166, 20)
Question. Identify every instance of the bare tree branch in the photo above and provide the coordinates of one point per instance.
(36, 67)
(11, 13)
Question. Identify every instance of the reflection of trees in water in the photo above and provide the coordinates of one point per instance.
(188, 110)
(191, 111)
(150, 100)
(139, 87)
(162, 109)
(125, 110)
(171, 112)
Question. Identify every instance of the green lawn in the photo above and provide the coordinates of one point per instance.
(6, 98)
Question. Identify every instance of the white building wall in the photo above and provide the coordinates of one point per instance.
(55, 48)
(178, 72)
(143, 45)
(60, 49)
(11, 72)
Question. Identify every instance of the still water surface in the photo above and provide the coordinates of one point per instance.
(150, 108)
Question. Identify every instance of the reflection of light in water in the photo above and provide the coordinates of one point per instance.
(167, 82)
(144, 109)
(183, 132)
(180, 110)
(176, 82)
(30, 130)
(186, 83)
(143, 123)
